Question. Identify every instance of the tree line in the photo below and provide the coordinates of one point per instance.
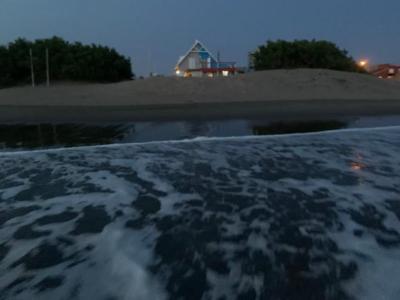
(95, 63)
(313, 54)
(68, 61)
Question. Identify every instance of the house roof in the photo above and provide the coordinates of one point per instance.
(197, 42)
(382, 70)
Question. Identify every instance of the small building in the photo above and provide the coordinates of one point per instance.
(199, 62)
(386, 71)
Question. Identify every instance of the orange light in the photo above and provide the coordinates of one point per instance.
(356, 166)
(363, 63)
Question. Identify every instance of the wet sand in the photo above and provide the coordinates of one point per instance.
(279, 110)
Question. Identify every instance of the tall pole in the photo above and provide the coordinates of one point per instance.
(150, 62)
(32, 71)
(47, 68)
(219, 62)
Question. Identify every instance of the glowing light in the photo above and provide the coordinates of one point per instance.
(225, 73)
(178, 72)
(363, 63)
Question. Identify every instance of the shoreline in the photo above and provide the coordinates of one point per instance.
(197, 139)
(271, 110)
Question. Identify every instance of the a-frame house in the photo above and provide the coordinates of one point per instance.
(199, 62)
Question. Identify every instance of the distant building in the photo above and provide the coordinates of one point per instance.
(386, 71)
(199, 62)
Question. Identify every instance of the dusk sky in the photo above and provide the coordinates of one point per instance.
(154, 33)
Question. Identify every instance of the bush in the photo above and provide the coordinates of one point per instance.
(68, 61)
(303, 54)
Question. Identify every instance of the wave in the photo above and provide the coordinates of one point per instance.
(304, 216)
(206, 139)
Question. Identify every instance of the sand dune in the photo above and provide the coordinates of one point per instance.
(280, 94)
(258, 86)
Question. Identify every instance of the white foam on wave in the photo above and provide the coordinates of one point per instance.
(122, 273)
(121, 256)
(377, 272)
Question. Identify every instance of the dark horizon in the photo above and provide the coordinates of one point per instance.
(155, 33)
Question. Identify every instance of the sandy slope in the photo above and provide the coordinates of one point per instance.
(259, 86)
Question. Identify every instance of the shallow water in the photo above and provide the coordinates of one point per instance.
(313, 216)
(42, 136)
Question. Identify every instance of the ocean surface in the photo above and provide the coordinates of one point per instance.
(21, 136)
(303, 216)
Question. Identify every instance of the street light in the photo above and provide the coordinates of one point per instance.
(363, 63)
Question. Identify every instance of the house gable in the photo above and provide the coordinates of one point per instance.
(196, 57)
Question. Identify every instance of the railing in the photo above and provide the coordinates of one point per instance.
(226, 64)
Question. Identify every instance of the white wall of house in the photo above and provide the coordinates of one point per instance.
(192, 61)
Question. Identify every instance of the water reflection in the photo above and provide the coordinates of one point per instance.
(50, 135)
(198, 128)
(34, 136)
(357, 164)
(298, 127)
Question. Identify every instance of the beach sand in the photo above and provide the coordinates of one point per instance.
(279, 93)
